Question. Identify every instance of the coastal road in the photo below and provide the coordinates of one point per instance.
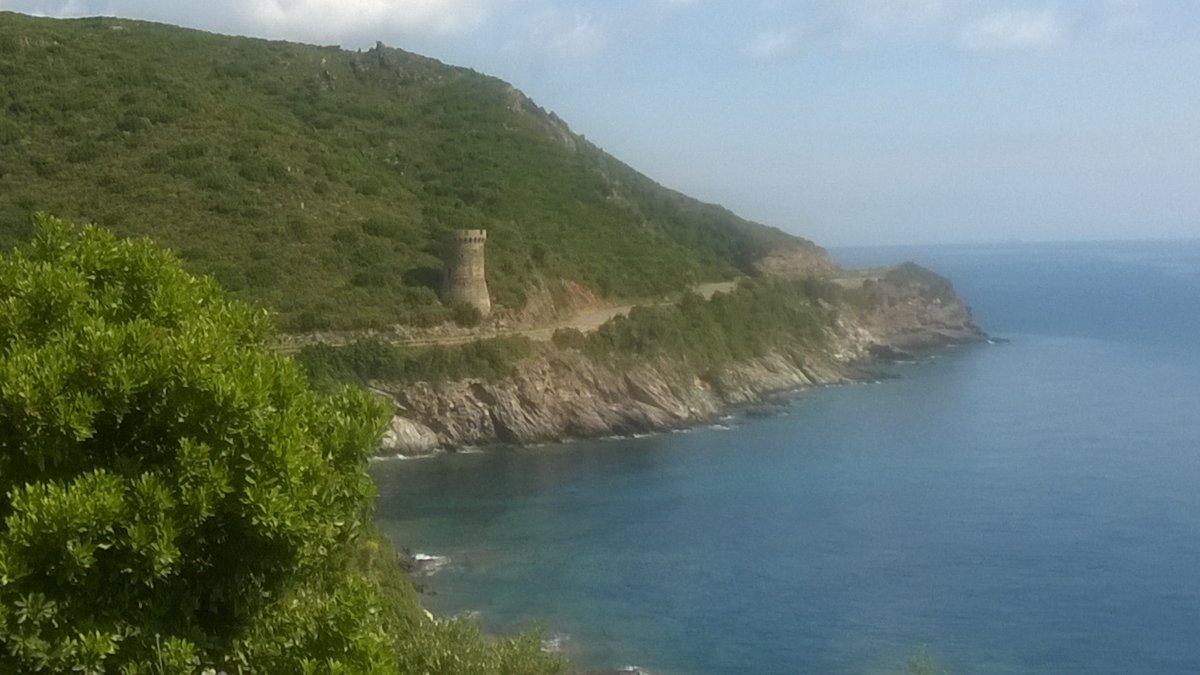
(589, 320)
(585, 321)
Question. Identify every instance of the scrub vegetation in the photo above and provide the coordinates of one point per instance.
(374, 359)
(757, 317)
(320, 183)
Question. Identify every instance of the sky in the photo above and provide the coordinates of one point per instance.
(851, 122)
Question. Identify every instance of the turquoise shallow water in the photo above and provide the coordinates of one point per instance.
(1021, 507)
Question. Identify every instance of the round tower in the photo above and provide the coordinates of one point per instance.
(465, 281)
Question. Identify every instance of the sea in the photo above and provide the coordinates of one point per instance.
(1029, 505)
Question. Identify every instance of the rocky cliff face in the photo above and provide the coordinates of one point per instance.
(561, 394)
(565, 394)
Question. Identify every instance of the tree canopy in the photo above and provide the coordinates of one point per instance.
(172, 494)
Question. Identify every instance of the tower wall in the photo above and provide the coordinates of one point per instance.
(465, 279)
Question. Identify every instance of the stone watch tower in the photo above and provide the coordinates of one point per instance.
(465, 280)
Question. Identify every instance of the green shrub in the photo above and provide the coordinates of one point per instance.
(177, 500)
(569, 338)
(757, 317)
(457, 647)
(371, 359)
(466, 314)
(174, 495)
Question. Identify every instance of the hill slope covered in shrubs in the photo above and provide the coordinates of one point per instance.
(319, 182)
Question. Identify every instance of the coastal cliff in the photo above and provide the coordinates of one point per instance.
(563, 393)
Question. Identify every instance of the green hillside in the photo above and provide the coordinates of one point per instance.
(320, 182)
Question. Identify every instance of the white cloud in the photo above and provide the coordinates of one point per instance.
(771, 45)
(57, 8)
(319, 20)
(342, 17)
(1013, 30)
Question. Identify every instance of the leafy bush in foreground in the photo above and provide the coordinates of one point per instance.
(172, 493)
(174, 497)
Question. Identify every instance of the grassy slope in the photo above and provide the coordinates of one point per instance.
(319, 182)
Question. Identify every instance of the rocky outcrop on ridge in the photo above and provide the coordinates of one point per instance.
(797, 261)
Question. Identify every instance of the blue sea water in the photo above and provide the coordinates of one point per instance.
(1024, 507)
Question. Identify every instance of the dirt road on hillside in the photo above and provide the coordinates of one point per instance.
(589, 320)
(584, 321)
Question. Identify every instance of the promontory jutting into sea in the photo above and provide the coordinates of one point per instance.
(340, 359)
(1025, 506)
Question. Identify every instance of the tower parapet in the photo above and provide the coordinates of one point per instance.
(465, 279)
